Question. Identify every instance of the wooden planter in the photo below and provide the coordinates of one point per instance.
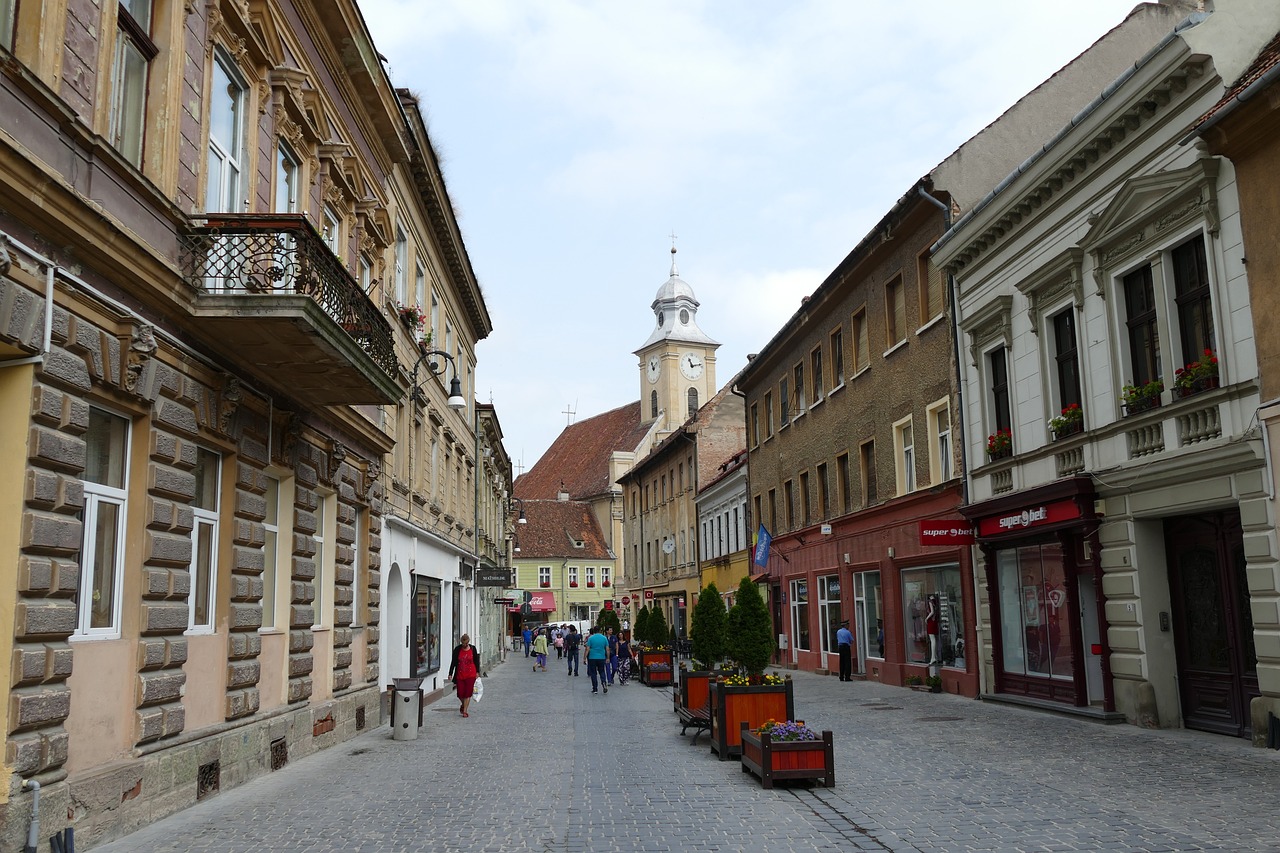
(694, 685)
(755, 705)
(649, 657)
(772, 760)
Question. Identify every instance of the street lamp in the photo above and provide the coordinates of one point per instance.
(436, 368)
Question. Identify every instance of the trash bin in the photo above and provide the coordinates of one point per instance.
(406, 708)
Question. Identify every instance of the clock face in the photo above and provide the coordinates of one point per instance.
(654, 368)
(691, 365)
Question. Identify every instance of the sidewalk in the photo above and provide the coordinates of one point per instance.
(542, 765)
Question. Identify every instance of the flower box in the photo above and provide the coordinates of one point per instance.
(1143, 404)
(590, 584)
(545, 584)
(604, 583)
(1068, 430)
(695, 686)
(773, 760)
(755, 704)
(1141, 398)
(573, 584)
(1205, 383)
(648, 659)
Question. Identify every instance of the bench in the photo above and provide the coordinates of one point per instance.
(699, 719)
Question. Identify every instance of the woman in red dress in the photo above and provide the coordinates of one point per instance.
(463, 671)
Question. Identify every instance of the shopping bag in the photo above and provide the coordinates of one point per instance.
(478, 691)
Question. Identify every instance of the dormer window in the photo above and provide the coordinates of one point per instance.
(684, 316)
(662, 317)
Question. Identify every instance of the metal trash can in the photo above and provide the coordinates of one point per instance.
(406, 708)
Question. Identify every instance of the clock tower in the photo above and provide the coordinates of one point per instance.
(678, 361)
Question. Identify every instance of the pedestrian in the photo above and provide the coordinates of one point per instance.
(557, 637)
(463, 671)
(571, 642)
(624, 659)
(597, 655)
(613, 654)
(528, 640)
(844, 642)
(540, 651)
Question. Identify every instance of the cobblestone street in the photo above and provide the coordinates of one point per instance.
(543, 765)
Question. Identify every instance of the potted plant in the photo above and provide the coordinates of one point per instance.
(1140, 398)
(656, 661)
(1200, 375)
(1000, 444)
(934, 683)
(1069, 422)
(573, 584)
(707, 635)
(544, 584)
(590, 584)
(787, 750)
(749, 695)
(604, 583)
(411, 315)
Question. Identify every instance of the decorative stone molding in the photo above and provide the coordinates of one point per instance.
(990, 324)
(371, 474)
(232, 396)
(291, 438)
(337, 455)
(6, 260)
(142, 348)
(1048, 285)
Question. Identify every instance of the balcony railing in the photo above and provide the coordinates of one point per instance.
(282, 254)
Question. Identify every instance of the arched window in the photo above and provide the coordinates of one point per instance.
(653, 404)
(693, 401)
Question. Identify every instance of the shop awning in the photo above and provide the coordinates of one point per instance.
(543, 602)
(759, 577)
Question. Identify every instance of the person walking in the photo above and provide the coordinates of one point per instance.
(624, 659)
(844, 642)
(557, 637)
(528, 641)
(597, 655)
(463, 671)
(613, 654)
(572, 640)
(540, 651)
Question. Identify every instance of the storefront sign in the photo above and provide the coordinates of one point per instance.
(682, 601)
(648, 595)
(958, 532)
(1028, 518)
(506, 601)
(493, 576)
(608, 605)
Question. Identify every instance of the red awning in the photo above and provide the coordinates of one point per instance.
(543, 602)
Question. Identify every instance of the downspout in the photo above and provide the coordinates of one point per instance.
(51, 273)
(33, 834)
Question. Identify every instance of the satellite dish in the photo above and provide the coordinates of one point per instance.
(668, 545)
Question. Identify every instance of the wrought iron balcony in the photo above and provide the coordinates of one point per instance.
(272, 297)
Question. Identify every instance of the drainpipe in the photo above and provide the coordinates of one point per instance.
(33, 834)
(51, 273)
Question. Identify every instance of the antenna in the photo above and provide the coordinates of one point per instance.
(569, 412)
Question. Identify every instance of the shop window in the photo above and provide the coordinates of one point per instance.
(933, 616)
(106, 493)
(800, 614)
(829, 615)
(869, 607)
(202, 596)
(1034, 619)
(426, 626)
(1066, 358)
(134, 51)
(837, 358)
(224, 190)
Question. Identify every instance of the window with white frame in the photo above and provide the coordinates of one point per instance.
(270, 552)
(942, 458)
(202, 596)
(332, 231)
(800, 614)
(815, 374)
(606, 576)
(420, 288)
(905, 455)
(366, 274)
(591, 575)
(106, 492)
(402, 267)
(224, 189)
(435, 316)
(287, 166)
(134, 51)
(573, 576)
(322, 585)
(544, 576)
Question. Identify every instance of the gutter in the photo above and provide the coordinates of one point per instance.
(1235, 103)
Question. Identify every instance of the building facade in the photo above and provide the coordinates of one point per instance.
(564, 570)
(724, 538)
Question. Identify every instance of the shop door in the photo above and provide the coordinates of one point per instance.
(829, 619)
(1213, 630)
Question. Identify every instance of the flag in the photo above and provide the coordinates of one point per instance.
(762, 547)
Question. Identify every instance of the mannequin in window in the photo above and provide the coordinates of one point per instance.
(931, 628)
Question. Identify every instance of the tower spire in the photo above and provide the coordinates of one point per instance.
(675, 273)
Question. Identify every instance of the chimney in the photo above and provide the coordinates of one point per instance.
(563, 494)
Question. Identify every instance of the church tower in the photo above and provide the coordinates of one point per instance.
(678, 361)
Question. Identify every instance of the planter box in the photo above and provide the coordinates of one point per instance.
(1145, 404)
(772, 760)
(754, 705)
(1205, 383)
(656, 675)
(647, 658)
(694, 687)
(1073, 428)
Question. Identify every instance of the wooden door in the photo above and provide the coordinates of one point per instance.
(1213, 630)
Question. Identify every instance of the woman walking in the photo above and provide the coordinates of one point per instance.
(463, 671)
(540, 651)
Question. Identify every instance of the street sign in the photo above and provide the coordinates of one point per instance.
(626, 599)
(493, 576)
(648, 595)
(506, 601)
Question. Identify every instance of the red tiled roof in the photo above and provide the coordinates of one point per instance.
(579, 458)
(1267, 58)
(552, 527)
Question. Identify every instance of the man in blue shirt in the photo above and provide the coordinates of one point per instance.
(844, 640)
(597, 654)
(528, 641)
(571, 641)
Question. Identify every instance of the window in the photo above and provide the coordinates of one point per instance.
(837, 358)
(869, 612)
(755, 425)
(931, 293)
(202, 596)
(800, 614)
(322, 583)
(270, 552)
(768, 414)
(653, 404)
(861, 342)
(402, 267)
(1034, 619)
(106, 492)
(798, 374)
(843, 483)
(693, 402)
(933, 616)
(224, 191)
(332, 231)
(998, 370)
(366, 274)
(867, 456)
(1191, 293)
(420, 285)
(1144, 333)
(941, 461)
(905, 455)
(435, 316)
(1065, 357)
(815, 370)
(773, 510)
(824, 507)
(357, 567)
(784, 401)
(805, 514)
(895, 313)
(573, 576)
(789, 503)
(6, 23)
(286, 180)
(606, 575)
(133, 54)
(591, 575)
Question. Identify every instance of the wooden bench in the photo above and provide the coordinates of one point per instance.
(697, 718)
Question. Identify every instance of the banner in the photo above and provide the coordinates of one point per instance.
(763, 539)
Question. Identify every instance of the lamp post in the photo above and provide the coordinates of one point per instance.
(435, 360)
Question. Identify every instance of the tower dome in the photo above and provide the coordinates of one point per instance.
(675, 307)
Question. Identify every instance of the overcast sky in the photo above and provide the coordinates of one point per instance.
(770, 137)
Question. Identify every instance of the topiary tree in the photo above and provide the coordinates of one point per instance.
(750, 640)
(609, 619)
(658, 632)
(707, 626)
(640, 630)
